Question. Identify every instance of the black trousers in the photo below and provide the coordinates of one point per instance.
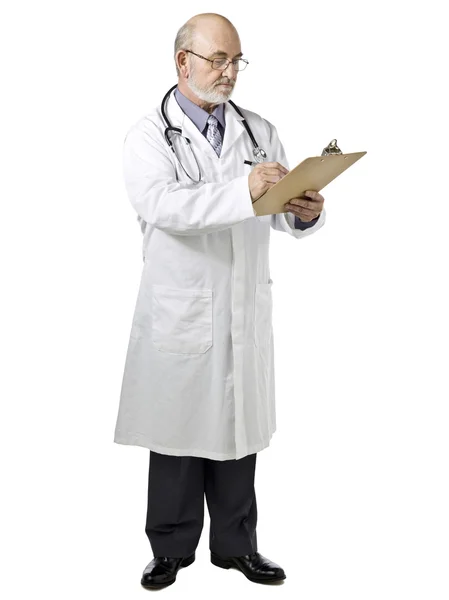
(175, 513)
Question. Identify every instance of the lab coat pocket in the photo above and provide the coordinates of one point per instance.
(181, 319)
(263, 308)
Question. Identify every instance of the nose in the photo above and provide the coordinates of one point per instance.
(230, 70)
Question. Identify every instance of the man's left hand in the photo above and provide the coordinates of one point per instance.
(308, 208)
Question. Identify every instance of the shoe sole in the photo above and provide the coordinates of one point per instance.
(184, 563)
(229, 564)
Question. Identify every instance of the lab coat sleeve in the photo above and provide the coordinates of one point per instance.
(286, 221)
(177, 207)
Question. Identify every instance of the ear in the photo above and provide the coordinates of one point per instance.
(182, 63)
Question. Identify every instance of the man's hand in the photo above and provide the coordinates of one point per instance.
(263, 177)
(308, 208)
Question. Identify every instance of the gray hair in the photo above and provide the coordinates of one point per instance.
(184, 39)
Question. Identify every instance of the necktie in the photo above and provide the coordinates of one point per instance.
(213, 134)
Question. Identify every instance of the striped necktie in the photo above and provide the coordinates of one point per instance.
(213, 134)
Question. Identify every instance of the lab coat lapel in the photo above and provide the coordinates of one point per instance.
(234, 128)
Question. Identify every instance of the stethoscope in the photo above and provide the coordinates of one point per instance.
(259, 154)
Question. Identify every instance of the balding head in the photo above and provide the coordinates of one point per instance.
(208, 31)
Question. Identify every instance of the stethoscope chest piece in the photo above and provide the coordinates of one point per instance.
(259, 155)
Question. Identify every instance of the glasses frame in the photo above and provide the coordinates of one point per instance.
(228, 62)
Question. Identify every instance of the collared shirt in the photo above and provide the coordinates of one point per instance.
(199, 117)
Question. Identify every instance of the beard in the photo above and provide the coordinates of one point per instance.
(211, 94)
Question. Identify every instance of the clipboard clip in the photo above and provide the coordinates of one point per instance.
(332, 148)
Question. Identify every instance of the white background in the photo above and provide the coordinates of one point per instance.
(353, 492)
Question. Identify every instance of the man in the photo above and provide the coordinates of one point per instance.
(198, 386)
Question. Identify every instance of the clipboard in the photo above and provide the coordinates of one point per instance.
(313, 173)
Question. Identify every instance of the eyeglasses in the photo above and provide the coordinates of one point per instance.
(221, 64)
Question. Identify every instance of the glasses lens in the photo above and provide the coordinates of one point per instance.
(240, 64)
(222, 63)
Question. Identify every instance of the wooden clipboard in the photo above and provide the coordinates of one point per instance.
(313, 173)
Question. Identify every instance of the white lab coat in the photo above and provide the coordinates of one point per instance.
(199, 371)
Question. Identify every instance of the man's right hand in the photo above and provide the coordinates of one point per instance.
(263, 177)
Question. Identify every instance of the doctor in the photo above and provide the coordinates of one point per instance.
(198, 385)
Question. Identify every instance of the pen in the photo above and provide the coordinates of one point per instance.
(248, 162)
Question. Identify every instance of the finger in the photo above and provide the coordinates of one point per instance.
(273, 165)
(282, 168)
(271, 178)
(314, 195)
(303, 202)
(306, 218)
(311, 201)
(302, 213)
(274, 171)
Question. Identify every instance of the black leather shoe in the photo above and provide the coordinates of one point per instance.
(254, 566)
(162, 570)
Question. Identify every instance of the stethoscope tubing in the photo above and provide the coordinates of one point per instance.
(257, 152)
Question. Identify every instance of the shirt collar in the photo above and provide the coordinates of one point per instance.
(197, 114)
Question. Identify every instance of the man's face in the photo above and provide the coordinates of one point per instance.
(205, 81)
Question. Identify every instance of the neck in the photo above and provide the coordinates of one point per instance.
(184, 89)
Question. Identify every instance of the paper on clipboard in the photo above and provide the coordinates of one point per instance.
(313, 173)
